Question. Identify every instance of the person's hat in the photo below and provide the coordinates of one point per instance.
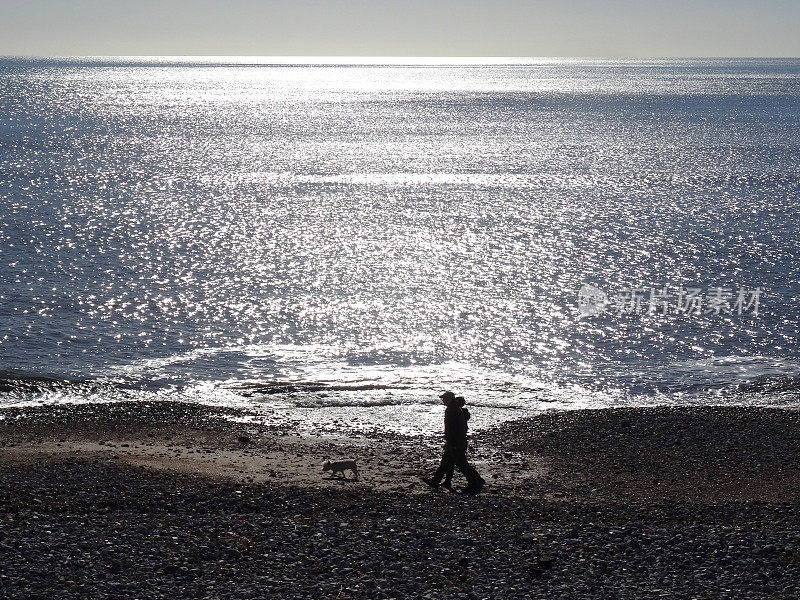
(448, 396)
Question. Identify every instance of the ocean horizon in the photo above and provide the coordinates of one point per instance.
(335, 243)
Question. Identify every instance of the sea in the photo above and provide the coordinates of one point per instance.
(330, 243)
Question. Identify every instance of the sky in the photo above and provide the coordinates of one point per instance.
(614, 28)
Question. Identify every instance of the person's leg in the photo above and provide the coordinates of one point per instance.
(448, 479)
(448, 476)
(474, 481)
(445, 465)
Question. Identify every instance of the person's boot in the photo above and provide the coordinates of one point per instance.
(474, 487)
(447, 485)
(431, 482)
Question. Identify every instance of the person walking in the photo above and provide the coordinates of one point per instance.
(464, 415)
(455, 448)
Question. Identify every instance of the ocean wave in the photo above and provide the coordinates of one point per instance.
(343, 402)
(250, 389)
(770, 384)
(21, 387)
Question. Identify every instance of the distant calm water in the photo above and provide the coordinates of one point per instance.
(297, 238)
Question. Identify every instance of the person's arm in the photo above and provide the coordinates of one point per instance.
(451, 425)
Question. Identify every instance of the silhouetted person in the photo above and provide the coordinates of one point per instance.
(455, 447)
(464, 416)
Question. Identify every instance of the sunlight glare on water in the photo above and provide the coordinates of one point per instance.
(397, 229)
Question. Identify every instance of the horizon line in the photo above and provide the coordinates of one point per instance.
(337, 58)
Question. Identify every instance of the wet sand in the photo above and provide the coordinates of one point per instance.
(173, 500)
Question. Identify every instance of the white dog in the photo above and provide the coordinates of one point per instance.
(339, 466)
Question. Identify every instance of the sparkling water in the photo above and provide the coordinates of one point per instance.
(341, 242)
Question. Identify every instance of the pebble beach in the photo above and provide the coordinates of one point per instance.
(170, 500)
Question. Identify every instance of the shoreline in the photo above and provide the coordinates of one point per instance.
(163, 500)
(646, 454)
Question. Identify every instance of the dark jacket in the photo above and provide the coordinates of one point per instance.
(455, 425)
